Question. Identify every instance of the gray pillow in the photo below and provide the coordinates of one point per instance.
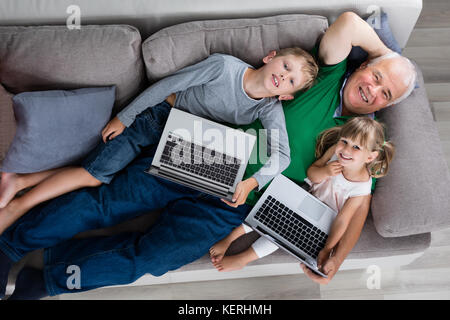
(57, 128)
(415, 196)
(7, 122)
(175, 47)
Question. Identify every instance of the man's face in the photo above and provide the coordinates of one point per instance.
(283, 75)
(372, 87)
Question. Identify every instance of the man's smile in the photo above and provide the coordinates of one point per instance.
(363, 95)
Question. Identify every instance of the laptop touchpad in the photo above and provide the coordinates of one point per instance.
(312, 208)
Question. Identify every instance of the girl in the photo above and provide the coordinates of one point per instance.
(348, 157)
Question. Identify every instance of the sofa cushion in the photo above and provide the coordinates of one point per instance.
(54, 57)
(57, 128)
(181, 45)
(415, 196)
(7, 122)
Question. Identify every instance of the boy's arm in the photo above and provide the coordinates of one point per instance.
(319, 170)
(273, 121)
(349, 30)
(190, 76)
(272, 118)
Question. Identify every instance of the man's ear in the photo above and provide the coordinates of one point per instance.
(285, 97)
(270, 56)
(364, 64)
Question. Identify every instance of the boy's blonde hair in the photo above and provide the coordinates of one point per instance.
(369, 133)
(310, 67)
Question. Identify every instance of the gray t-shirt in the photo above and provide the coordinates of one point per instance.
(213, 89)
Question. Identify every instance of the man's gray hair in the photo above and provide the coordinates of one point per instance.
(409, 81)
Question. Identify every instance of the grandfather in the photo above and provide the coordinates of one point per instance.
(191, 221)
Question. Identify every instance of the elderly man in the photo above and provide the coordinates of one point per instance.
(385, 79)
(191, 221)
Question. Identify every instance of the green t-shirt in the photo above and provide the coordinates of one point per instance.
(307, 116)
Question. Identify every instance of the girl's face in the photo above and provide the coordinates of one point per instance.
(352, 154)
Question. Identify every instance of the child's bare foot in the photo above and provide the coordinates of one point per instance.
(8, 188)
(217, 251)
(231, 263)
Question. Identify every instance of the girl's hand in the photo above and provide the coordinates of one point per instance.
(330, 267)
(323, 256)
(242, 190)
(114, 128)
(333, 168)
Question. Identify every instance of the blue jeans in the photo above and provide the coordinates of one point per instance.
(109, 158)
(191, 222)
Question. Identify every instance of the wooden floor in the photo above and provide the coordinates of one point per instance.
(426, 278)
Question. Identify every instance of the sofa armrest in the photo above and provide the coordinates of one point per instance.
(415, 195)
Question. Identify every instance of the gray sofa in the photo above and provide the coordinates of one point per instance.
(132, 50)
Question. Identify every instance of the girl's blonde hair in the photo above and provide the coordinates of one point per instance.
(369, 133)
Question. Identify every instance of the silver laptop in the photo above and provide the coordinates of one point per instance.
(202, 154)
(293, 219)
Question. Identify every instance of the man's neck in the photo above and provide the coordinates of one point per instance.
(345, 111)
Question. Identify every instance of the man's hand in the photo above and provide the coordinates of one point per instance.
(333, 168)
(114, 128)
(242, 190)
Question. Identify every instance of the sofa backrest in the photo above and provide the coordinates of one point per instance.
(150, 16)
(53, 57)
(178, 46)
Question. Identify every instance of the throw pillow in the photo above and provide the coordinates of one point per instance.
(57, 128)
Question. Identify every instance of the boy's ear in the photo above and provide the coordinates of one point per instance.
(285, 97)
(270, 56)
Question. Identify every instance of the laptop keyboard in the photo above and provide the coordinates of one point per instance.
(289, 225)
(200, 160)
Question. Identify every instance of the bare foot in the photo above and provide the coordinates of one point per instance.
(218, 250)
(230, 263)
(8, 188)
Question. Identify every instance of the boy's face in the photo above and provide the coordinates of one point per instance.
(283, 75)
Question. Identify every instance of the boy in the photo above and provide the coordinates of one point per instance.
(221, 87)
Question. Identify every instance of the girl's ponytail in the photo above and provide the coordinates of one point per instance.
(326, 140)
(380, 166)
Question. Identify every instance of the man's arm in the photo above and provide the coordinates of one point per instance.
(345, 245)
(349, 30)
